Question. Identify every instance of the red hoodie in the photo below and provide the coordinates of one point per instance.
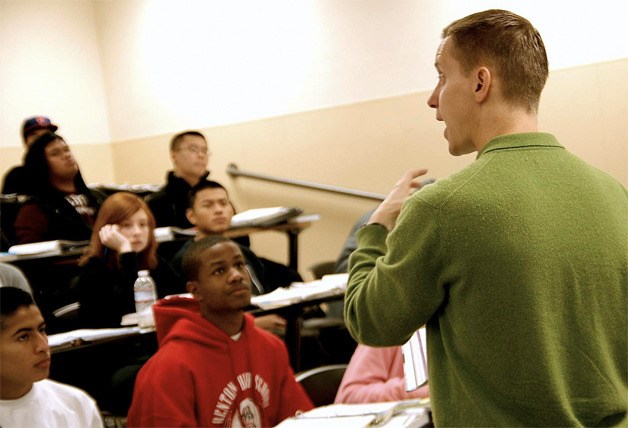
(202, 377)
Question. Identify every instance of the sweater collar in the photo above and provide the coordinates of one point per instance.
(517, 141)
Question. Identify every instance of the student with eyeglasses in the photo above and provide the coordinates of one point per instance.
(189, 154)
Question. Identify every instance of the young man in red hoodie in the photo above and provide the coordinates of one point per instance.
(214, 367)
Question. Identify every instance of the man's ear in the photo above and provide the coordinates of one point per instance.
(192, 287)
(483, 81)
(189, 213)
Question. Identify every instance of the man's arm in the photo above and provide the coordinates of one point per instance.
(395, 282)
(388, 211)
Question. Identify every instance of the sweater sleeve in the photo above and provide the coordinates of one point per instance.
(164, 395)
(396, 270)
(31, 224)
(293, 397)
(105, 295)
(375, 375)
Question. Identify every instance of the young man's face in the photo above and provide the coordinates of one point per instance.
(191, 157)
(24, 352)
(453, 99)
(223, 284)
(212, 211)
(61, 163)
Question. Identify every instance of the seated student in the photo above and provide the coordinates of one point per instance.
(122, 244)
(33, 127)
(214, 367)
(375, 375)
(61, 206)
(189, 154)
(27, 398)
(210, 210)
(11, 276)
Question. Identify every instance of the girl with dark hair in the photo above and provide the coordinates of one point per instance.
(122, 244)
(60, 205)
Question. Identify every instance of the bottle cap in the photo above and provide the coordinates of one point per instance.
(143, 273)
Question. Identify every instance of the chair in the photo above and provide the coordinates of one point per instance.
(332, 341)
(65, 318)
(322, 268)
(321, 383)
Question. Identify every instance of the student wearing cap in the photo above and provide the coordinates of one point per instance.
(60, 205)
(32, 128)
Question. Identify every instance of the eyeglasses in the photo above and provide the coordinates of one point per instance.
(195, 150)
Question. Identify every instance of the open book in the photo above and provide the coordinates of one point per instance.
(263, 217)
(78, 337)
(407, 413)
(48, 248)
(414, 353)
(170, 233)
(329, 285)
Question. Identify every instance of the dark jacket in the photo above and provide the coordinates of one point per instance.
(105, 295)
(169, 204)
(14, 181)
(49, 217)
(48, 213)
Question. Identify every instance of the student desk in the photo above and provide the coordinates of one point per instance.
(291, 306)
(291, 229)
(92, 365)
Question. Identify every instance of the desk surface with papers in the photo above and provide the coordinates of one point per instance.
(406, 414)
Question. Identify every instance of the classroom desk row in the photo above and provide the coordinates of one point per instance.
(51, 273)
(90, 363)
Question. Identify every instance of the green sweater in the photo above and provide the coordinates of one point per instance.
(518, 265)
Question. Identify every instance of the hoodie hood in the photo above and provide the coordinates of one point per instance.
(179, 318)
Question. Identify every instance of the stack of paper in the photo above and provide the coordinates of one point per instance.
(170, 233)
(46, 248)
(264, 217)
(408, 414)
(415, 360)
(329, 285)
(77, 337)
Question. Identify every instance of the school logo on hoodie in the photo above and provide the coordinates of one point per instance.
(239, 403)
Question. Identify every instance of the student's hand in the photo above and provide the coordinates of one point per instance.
(111, 237)
(272, 323)
(388, 211)
(422, 392)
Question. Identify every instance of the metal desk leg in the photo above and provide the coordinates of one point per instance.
(293, 249)
(293, 336)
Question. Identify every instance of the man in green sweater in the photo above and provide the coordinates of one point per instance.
(517, 264)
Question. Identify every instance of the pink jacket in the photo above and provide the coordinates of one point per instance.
(375, 375)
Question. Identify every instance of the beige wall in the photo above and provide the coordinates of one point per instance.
(368, 145)
(365, 146)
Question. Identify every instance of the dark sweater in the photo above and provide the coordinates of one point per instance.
(52, 216)
(169, 204)
(105, 294)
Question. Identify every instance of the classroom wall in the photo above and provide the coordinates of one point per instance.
(323, 90)
(368, 145)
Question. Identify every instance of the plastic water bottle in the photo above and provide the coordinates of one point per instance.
(145, 297)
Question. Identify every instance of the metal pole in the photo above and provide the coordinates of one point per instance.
(233, 171)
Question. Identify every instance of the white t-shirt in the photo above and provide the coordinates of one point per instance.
(51, 404)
